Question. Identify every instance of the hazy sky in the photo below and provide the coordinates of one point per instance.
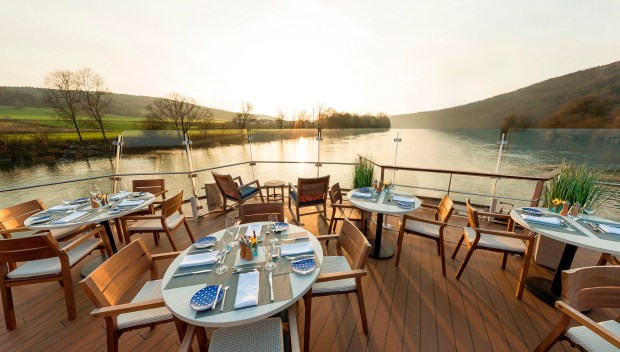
(361, 56)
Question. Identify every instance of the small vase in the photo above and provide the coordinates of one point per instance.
(255, 249)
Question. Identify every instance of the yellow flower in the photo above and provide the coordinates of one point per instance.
(253, 240)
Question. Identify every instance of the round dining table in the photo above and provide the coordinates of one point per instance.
(381, 204)
(582, 232)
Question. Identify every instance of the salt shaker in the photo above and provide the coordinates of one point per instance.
(565, 208)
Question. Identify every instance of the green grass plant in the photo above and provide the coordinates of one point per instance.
(577, 183)
(362, 173)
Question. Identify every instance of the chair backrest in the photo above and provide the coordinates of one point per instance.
(14, 216)
(473, 215)
(172, 205)
(312, 189)
(353, 241)
(591, 287)
(444, 209)
(155, 186)
(227, 185)
(335, 194)
(255, 212)
(28, 248)
(110, 281)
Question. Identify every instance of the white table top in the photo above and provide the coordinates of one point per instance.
(102, 214)
(177, 299)
(591, 241)
(379, 207)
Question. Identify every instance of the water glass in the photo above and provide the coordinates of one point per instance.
(227, 239)
(65, 197)
(230, 228)
(269, 254)
(272, 219)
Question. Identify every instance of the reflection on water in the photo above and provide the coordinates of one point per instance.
(532, 152)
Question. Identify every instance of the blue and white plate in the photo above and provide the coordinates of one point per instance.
(205, 298)
(40, 219)
(79, 200)
(138, 194)
(365, 190)
(279, 226)
(115, 210)
(532, 211)
(303, 266)
(205, 242)
(406, 205)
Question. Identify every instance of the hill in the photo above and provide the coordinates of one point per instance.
(535, 103)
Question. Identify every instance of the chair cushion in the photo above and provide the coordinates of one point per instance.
(264, 335)
(155, 224)
(307, 200)
(496, 242)
(150, 290)
(51, 266)
(424, 228)
(333, 264)
(60, 233)
(590, 341)
(247, 191)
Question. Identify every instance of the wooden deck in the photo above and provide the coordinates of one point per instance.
(410, 308)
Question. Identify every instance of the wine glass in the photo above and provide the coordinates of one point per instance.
(270, 252)
(227, 239)
(123, 188)
(272, 219)
(65, 197)
(587, 212)
(230, 228)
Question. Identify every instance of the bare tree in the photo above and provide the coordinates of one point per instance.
(245, 116)
(318, 112)
(207, 118)
(63, 96)
(280, 117)
(177, 110)
(94, 99)
(303, 119)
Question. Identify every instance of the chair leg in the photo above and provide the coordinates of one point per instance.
(119, 230)
(189, 232)
(8, 308)
(442, 254)
(174, 247)
(527, 258)
(504, 259)
(602, 260)
(399, 245)
(554, 336)
(69, 299)
(464, 263)
(458, 246)
(360, 298)
(307, 319)
(156, 238)
(111, 335)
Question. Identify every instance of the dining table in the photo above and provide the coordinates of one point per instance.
(382, 203)
(585, 231)
(181, 284)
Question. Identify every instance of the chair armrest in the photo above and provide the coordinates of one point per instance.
(327, 237)
(428, 221)
(341, 275)
(343, 206)
(250, 183)
(127, 308)
(430, 206)
(157, 194)
(506, 234)
(291, 187)
(168, 255)
(238, 178)
(78, 241)
(142, 217)
(16, 229)
(588, 323)
(160, 202)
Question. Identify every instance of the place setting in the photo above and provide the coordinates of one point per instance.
(553, 222)
(366, 194)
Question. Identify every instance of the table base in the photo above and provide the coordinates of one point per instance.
(541, 288)
(93, 264)
(386, 251)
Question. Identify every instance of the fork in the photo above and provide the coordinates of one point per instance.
(226, 286)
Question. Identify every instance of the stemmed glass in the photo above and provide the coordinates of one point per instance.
(230, 228)
(270, 252)
(227, 240)
(65, 197)
(272, 219)
(96, 195)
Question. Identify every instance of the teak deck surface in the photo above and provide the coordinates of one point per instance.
(410, 308)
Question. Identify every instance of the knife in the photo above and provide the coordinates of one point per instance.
(217, 294)
(193, 272)
(271, 285)
(293, 239)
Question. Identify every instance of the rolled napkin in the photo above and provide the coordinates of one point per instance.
(247, 290)
(119, 195)
(610, 229)
(130, 203)
(64, 207)
(199, 259)
(251, 228)
(361, 195)
(70, 217)
(296, 248)
(403, 199)
(554, 221)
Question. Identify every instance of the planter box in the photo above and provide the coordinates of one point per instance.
(547, 252)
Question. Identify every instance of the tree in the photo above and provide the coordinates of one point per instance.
(518, 122)
(280, 117)
(303, 120)
(245, 116)
(318, 112)
(63, 97)
(177, 110)
(206, 119)
(93, 97)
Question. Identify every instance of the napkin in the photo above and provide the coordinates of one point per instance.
(119, 195)
(610, 229)
(199, 259)
(252, 228)
(542, 220)
(130, 203)
(361, 195)
(403, 199)
(70, 218)
(64, 207)
(296, 248)
(247, 290)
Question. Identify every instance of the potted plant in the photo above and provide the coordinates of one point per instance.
(362, 173)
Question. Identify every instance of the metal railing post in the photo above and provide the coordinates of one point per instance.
(191, 174)
(252, 163)
(318, 152)
(117, 161)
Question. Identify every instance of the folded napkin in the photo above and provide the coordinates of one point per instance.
(64, 207)
(130, 203)
(70, 217)
(403, 199)
(610, 229)
(296, 248)
(119, 195)
(199, 259)
(361, 195)
(252, 228)
(247, 290)
(542, 220)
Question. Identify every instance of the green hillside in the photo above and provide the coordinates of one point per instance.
(535, 103)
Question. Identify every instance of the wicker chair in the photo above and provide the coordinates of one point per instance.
(310, 192)
(260, 212)
(584, 289)
(238, 193)
(342, 209)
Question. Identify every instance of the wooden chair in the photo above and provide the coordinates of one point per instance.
(342, 209)
(168, 221)
(260, 212)
(158, 188)
(584, 289)
(507, 242)
(238, 193)
(608, 258)
(338, 276)
(43, 259)
(308, 193)
(428, 228)
(107, 285)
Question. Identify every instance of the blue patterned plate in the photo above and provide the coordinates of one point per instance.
(205, 298)
(279, 226)
(115, 210)
(205, 242)
(365, 190)
(79, 201)
(406, 205)
(40, 219)
(303, 266)
(138, 194)
(532, 211)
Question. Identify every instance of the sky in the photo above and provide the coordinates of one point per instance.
(354, 55)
